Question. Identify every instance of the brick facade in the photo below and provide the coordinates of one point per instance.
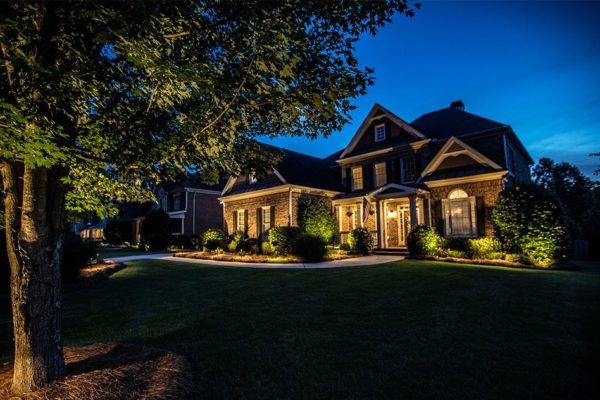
(208, 213)
(281, 208)
(486, 192)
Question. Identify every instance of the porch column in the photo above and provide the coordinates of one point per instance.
(379, 230)
(412, 203)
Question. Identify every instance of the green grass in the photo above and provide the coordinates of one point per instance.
(410, 329)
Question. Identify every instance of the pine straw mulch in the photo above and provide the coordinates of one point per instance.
(92, 274)
(497, 263)
(114, 371)
(254, 258)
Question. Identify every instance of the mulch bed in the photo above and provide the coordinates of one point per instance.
(92, 274)
(114, 371)
(497, 263)
(252, 258)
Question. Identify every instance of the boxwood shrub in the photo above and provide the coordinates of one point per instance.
(213, 239)
(281, 239)
(310, 248)
(360, 241)
(484, 247)
(423, 240)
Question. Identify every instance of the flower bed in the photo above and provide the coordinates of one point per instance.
(491, 262)
(256, 258)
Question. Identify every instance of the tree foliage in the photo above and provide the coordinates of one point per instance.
(156, 230)
(316, 218)
(576, 193)
(124, 93)
(528, 219)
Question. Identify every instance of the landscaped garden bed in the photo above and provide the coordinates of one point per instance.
(259, 258)
(92, 274)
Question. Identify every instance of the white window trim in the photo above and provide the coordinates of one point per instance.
(385, 178)
(362, 178)
(265, 210)
(180, 217)
(384, 132)
(241, 212)
(472, 210)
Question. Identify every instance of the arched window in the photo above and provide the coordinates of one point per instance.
(459, 214)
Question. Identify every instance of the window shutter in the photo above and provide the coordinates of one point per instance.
(446, 216)
(480, 215)
(245, 221)
(397, 177)
(272, 216)
(259, 227)
(473, 215)
(367, 172)
(389, 171)
(235, 224)
(348, 179)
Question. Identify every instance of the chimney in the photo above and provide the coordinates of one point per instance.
(458, 105)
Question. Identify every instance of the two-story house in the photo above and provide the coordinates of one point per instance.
(445, 169)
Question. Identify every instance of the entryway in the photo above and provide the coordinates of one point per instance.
(397, 225)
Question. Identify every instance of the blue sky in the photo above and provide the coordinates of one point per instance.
(533, 65)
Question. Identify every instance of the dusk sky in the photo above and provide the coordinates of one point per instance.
(532, 65)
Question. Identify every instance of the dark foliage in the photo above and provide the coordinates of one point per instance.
(76, 254)
(360, 241)
(117, 232)
(213, 239)
(239, 243)
(156, 230)
(282, 237)
(309, 248)
(182, 241)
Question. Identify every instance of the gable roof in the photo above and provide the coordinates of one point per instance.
(294, 169)
(376, 112)
(451, 121)
(456, 147)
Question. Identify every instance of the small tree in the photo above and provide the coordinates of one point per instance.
(316, 218)
(529, 220)
(156, 230)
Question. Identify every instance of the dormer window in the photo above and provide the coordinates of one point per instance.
(380, 133)
(252, 178)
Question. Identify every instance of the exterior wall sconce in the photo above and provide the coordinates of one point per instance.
(392, 214)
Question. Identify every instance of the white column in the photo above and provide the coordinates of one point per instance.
(412, 203)
(379, 224)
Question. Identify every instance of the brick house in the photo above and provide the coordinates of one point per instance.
(445, 169)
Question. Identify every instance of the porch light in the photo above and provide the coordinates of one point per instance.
(392, 214)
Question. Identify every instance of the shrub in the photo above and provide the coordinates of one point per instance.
(529, 220)
(315, 218)
(254, 246)
(460, 244)
(310, 248)
(345, 247)
(76, 255)
(517, 258)
(196, 241)
(281, 239)
(213, 239)
(239, 243)
(496, 255)
(117, 232)
(156, 230)
(265, 248)
(483, 247)
(455, 253)
(181, 241)
(423, 240)
(360, 241)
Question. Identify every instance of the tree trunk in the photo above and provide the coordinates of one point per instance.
(34, 213)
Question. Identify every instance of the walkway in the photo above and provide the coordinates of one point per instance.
(349, 262)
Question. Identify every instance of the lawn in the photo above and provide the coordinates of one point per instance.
(108, 252)
(411, 329)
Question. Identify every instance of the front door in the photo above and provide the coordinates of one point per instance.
(404, 226)
(392, 226)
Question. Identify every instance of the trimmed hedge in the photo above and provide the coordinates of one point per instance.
(360, 241)
(281, 239)
(310, 248)
(315, 218)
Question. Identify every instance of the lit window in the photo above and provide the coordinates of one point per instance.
(380, 133)
(241, 221)
(408, 169)
(357, 178)
(266, 219)
(459, 214)
(380, 174)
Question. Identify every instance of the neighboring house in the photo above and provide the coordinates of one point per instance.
(192, 206)
(445, 169)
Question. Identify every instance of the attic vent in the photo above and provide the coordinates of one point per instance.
(458, 105)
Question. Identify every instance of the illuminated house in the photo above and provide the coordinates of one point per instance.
(445, 169)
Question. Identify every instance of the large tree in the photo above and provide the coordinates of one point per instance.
(99, 99)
